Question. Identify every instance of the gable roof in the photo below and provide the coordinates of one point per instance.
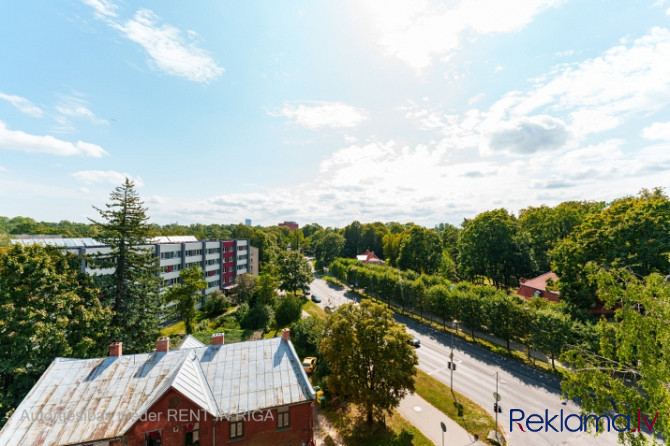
(369, 256)
(540, 282)
(82, 400)
(189, 342)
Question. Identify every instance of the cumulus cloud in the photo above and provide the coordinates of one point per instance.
(24, 142)
(528, 135)
(658, 130)
(106, 176)
(318, 114)
(419, 32)
(168, 50)
(22, 104)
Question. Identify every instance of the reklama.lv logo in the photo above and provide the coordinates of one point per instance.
(576, 423)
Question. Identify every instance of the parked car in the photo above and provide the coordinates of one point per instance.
(309, 363)
(329, 309)
(415, 342)
(316, 298)
(306, 291)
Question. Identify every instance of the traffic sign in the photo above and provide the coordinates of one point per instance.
(496, 395)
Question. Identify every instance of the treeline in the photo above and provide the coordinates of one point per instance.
(537, 323)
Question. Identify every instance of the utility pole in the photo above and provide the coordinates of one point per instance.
(452, 364)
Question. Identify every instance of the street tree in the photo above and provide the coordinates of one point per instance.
(266, 291)
(132, 290)
(550, 331)
(353, 237)
(48, 309)
(630, 370)
(185, 295)
(294, 271)
(371, 360)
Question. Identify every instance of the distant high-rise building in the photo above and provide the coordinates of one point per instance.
(247, 222)
(291, 225)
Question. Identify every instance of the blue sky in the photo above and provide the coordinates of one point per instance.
(330, 112)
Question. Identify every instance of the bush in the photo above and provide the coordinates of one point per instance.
(216, 303)
(257, 318)
(288, 311)
(241, 312)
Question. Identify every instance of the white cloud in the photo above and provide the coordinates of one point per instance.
(166, 46)
(658, 130)
(24, 142)
(667, 11)
(627, 80)
(317, 114)
(105, 176)
(526, 135)
(77, 108)
(418, 32)
(23, 104)
(103, 8)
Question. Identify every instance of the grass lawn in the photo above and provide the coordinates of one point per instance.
(467, 414)
(355, 431)
(314, 310)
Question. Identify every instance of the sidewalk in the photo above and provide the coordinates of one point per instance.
(427, 418)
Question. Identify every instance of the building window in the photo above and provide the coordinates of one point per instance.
(153, 438)
(236, 428)
(282, 418)
(192, 434)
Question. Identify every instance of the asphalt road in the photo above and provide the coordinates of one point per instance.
(519, 385)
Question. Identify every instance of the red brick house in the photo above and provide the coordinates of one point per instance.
(247, 393)
(537, 287)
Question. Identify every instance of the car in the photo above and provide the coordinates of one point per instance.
(309, 363)
(305, 291)
(329, 309)
(414, 342)
(316, 298)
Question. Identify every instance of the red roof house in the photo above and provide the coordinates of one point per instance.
(537, 287)
(370, 257)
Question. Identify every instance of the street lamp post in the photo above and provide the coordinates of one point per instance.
(452, 364)
(444, 429)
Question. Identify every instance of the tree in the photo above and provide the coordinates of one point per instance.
(306, 335)
(546, 226)
(186, 294)
(266, 291)
(245, 289)
(132, 290)
(48, 308)
(420, 251)
(327, 246)
(353, 235)
(288, 310)
(505, 316)
(491, 245)
(630, 370)
(370, 357)
(295, 271)
(632, 232)
(391, 249)
(550, 331)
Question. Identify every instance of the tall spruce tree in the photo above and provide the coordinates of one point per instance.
(132, 290)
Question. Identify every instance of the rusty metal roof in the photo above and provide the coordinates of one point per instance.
(84, 400)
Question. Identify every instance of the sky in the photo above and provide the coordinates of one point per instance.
(417, 111)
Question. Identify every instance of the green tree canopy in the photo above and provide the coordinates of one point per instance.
(48, 308)
(186, 294)
(294, 271)
(420, 251)
(632, 232)
(289, 310)
(132, 289)
(370, 357)
(327, 246)
(492, 245)
(630, 371)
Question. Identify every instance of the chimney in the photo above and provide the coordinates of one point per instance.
(163, 344)
(218, 338)
(285, 335)
(116, 349)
